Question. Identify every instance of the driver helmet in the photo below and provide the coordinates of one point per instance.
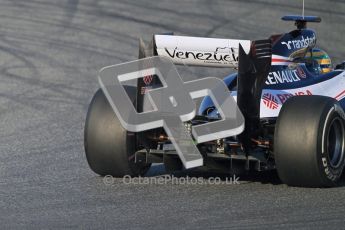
(318, 61)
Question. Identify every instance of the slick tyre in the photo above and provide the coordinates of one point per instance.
(309, 142)
(110, 148)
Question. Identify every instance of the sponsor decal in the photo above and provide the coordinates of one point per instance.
(148, 79)
(284, 76)
(273, 101)
(224, 50)
(300, 72)
(283, 97)
(270, 101)
(220, 55)
(200, 51)
(300, 43)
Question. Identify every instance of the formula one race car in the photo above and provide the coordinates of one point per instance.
(290, 96)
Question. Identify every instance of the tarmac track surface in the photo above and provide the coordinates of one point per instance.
(50, 53)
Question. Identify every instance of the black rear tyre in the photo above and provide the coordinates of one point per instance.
(110, 148)
(309, 142)
(172, 164)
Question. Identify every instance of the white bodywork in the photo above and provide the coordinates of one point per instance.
(200, 51)
(224, 53)
(272, 100)
(334, 88)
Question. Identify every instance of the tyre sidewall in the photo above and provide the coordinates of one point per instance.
(329, 174)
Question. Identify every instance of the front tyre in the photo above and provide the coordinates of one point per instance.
(309, 142)
(109, 148)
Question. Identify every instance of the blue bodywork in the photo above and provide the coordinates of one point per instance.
(292, 46)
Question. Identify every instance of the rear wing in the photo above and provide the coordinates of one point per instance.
(251, 58)
(199, 51)
(192, 51)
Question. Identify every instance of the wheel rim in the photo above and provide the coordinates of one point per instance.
(335, 142)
